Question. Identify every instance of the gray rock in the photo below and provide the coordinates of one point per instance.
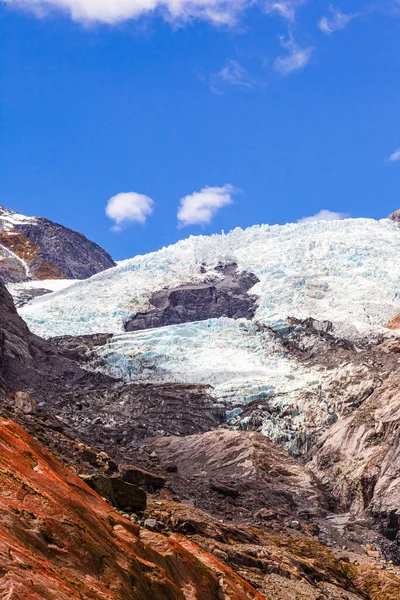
(198, 302)
(395, 216)
(151, 524)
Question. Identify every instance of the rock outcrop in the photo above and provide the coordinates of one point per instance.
(228, 297)
(358, 459)
(395, 216)
(36, 248)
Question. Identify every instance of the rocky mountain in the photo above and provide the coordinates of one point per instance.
(234, 399)
(33, 248)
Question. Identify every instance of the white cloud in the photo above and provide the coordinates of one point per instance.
(284, 8)
(199, 208)
(324, 215)
(395, 157)
(335, 22)
(297, 57)
(129, 207)
(113, 11)
(231, 74)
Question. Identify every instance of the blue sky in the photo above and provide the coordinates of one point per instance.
(284, 109)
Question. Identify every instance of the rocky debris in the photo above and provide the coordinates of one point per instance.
(358, 460)
(281, 561)
(225, 490)
(59, 539)
(141, 478)
(227, 297)
(237, 473)
(36, 248)
(117, 492)
(395, 216)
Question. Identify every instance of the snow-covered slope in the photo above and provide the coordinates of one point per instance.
(346, 272)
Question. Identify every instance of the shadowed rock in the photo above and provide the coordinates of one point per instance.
(118, 492)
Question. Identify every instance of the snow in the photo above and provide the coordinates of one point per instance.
(9, 218)
(19, 290)
(344, 271)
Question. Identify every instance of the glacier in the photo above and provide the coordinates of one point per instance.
(346, 272)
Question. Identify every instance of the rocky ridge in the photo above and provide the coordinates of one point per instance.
(33, 248)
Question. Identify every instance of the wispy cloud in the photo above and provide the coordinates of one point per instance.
(218, 12)
(200, 208)
(324, 215)
(284, 8)
(129, 207)
(335, 21)
(296, 59)
(395, 157)
(232, 73)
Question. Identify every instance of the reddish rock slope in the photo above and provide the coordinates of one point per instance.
(59, 540)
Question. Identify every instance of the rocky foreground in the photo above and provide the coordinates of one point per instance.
(116, 490)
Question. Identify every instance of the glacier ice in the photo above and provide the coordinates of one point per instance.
(345, 271)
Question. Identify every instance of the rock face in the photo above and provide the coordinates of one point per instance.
(240, 465)
(35, 248)
(359, 459)
(395, 216)
(198, 302)
(59, 539)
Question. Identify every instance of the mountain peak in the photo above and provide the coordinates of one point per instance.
(395, 216)
(34, 248)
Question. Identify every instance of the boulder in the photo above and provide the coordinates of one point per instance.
(142, 478)
(119, 493)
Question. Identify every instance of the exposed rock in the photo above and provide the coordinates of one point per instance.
(25, 402)
(198, 302)
(35, 248)
(142, 478)
(241, 466)
(359, 459)
(394, 323)
(395, 216)
(118, 492)
(60, 540)
(225, 490)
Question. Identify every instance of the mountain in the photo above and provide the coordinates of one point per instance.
(33, 248)
(248, 384)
